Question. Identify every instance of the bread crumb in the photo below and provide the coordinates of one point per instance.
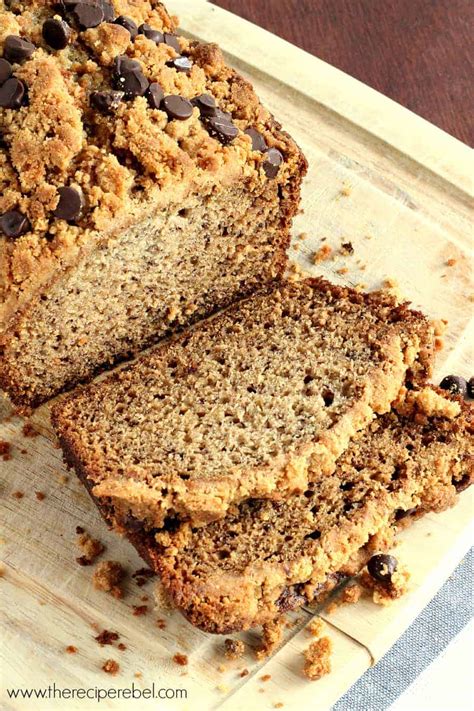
(29, 431)
(107, 576)
(5, 450)
(342, 270)
(271, 637)
(140, 610)
(91, 547)
(70, 649)
(79, 530)
(63, 478)
(234, 648)
(40, 495)
(138, 675)
(161, 624)
(316, 627)
(266, 677)
(278, 705)
(351, 594)
(110, 666)
(332, 607)
(221, 668)
(347, 248)
(106, 637)
(244, 672)
(390, 283)
(384, 592)
(181, 659)
(438, 344)
(18, 494)
(302, 236)
(345, 191)
(318, 659)
(322, 254)
(121, 646)
(439, 326)
(451, 262)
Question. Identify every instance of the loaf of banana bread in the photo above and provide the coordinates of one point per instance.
(256, 402)
(267, 557)
(142, 186)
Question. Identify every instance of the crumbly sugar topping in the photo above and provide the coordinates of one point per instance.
(107, 112)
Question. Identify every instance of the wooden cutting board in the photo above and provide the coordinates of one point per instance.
(399, 190)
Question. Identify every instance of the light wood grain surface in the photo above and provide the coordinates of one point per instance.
(399, 190)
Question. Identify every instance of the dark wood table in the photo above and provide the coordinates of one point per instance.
(417, 52)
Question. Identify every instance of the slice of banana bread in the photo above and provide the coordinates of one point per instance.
(267, 557)
(142, 186)
(253, 403)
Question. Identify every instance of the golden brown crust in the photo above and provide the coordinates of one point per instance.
(126, 165)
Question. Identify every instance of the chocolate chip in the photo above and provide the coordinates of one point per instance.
(289, 600)
(12, 93)
(70, 205)
(381, 567)
(129, 25)
(177, 107)
(108, 10)
(258, 141)
(155, 95)
(56, 33)
(172, 41)
(15, 49)
(272, 163)
(88, 14)
(470, 388)
(328, 397)
(5, 70)
(206, 104)
(107, 102)
(462, 484)
(129, 78)
(454, 384)
(220, 126)
(181, 64)
(151, 34)
(13, 224)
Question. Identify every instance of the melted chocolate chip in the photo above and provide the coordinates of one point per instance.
(70, 205)
(172, 41)
(177, 107)
(206, 104)
(107, 102)
(129, 25)
(151, 34)
(258, 141)
(56, 33)
(272, 163)
(381, 567)
(88, 14)
(454, 384)
(155, 95)
(12, 94)
(5, 70)
(13, 224)
(181, 64)
(220, 126)
(15, 49)
(129, 78)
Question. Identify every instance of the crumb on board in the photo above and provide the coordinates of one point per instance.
(108, 576)
(110, 666)
(5, 450)
(439, 326)
(221, 668)
(138, 675)
(347, 248)
(302, 236)
(144, 598)
(180, 659)
(79, 530)
(233, 648)
(71, 649)
(63, 478)
(278, 705)
(351, 593)
(2, 569)
(451, 262)
(272, 633)
(316, 627)
(390, 283)
(106, 637)
(438, 344)
(91, 547)
(345, 191)
(161, 624)
(342, 270)
(143, 575)
(139, 610)
(40, 495)
(265, 677)
(322, 254)
(83, 560)
(121, 646)
(244, 672)
(318, 659)
(29, 431)
(384, 592)
(18, 494)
